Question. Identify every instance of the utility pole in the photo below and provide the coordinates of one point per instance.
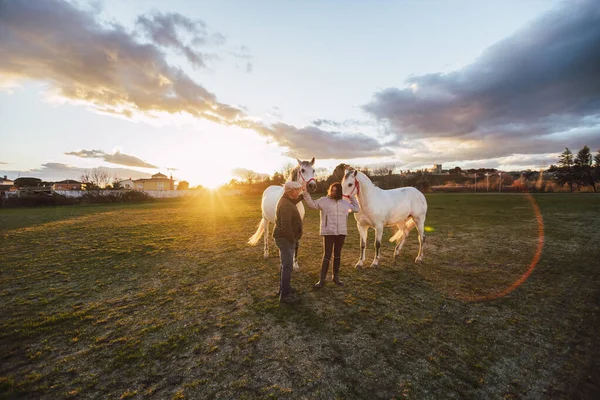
(475, 181)
(500, 184)
(487, 181)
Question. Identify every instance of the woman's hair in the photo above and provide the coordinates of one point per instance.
(338, 193)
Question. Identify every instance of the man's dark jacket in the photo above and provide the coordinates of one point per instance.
(288, 223)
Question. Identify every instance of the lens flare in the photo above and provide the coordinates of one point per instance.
(532, 265)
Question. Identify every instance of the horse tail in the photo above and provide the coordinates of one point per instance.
(408, 225)
(254, 239)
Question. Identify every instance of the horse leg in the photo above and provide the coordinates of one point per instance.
(266, 237)
(401, 241)
(364, 232)
(420, 223)
(296, 265)
(378, 235)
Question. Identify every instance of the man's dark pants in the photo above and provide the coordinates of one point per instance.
(286, 254)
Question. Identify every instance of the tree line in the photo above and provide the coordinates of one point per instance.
(579, 171)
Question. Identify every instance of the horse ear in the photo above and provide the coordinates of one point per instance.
(312, 162)
(299, 162)
(355, 172)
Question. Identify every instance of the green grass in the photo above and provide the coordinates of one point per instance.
(166, 300)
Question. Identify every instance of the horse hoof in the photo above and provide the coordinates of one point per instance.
(374, 265)
(266, 256)
(358, 266)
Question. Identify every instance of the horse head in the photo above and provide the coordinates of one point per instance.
(304, 173)
(350, 184)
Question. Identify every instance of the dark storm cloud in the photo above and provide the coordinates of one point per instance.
(117, 158)
(543, 80)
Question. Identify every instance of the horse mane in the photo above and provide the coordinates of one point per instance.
(294, 174)
(366, 181)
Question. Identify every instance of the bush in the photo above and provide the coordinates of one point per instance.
(116, 196)
(134, 196)
(39, 200)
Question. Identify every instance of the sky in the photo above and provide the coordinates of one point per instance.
(206, 91)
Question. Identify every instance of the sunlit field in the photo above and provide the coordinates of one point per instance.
(167, 301)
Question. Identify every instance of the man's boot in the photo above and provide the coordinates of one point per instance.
(336, 271)
(289, 298)
(324, 268)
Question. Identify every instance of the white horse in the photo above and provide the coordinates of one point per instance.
(404, 207)
(303, 173)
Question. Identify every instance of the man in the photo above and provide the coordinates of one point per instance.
(287, 232)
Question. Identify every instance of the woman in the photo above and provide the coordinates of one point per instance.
(334, 227)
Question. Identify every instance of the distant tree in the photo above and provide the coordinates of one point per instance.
(23, 182)
(95, 179)
(116, 183)
(366, 171)
(286, 170)
(250, 177)
(564, 170)
(384, 170)
(183, 185)
(423, 183)
(597, 166)
(277, 179)
(582, 168)
(456, 171)
(338, 173)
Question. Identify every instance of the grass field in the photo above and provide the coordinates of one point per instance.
(167, 301)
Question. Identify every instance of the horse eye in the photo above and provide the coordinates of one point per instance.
(349, 185)
(302, 169)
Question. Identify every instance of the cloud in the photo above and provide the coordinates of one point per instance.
(312, 141)
(53, 172)
(101, 66)
(2, 162)
(169, 30)
(117, 158)
(342, 124)
(108, 69)
(534, 91)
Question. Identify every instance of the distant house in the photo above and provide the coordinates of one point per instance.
(6, 181)
(157, 182)
(127, 184)
(68, 184)
(437, 169)
(6, 186)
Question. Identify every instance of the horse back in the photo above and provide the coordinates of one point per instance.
(270, 198)
(393, 206)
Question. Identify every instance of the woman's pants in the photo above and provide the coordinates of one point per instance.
(332, 244)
